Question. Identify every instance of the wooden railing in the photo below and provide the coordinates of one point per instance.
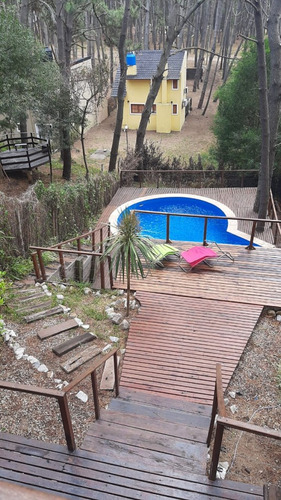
(61, 396)
(273, 215)
(102, 232)
(158, 176)
(168, 215)
(9, 142)
(222, 422)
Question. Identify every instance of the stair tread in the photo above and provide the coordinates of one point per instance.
(171, 415)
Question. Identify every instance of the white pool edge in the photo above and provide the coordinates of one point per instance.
(231, 227)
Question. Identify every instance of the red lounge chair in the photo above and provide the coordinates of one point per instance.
(195, 255)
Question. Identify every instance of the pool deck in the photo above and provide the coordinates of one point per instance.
(239, 200)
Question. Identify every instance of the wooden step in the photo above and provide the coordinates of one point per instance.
(165, 414)
(83, 474)
(33, 307)
(70, 344)
(71, 364)
(56, 329)
(156, 425)
(43, 314)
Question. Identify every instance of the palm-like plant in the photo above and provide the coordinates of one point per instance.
(126, 248)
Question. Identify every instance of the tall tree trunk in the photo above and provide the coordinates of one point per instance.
(215, 35)
(121, 89)
(263, 185)
(64, 19)
(146, 26)
(172, 33)
(274, 95)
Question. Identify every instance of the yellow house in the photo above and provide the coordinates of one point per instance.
(169, 109)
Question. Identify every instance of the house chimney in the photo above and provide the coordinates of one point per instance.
(131, 64)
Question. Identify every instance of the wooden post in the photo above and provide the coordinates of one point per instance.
(67, 424)
(102, 280)
(41, 264)
(115, 360)
(168, 229)
(95, 394)
(216, 452)
(242, 180)
(62, 268)
(213, 416)
(205, 244)
(251, 246)
(121, 178)
(36, 267)
(110, 271)
(79, 244)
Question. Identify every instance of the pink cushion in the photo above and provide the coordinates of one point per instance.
(196, 254)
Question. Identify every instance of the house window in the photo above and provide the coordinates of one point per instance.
(175, 109)
(175, 84)
(138, 108)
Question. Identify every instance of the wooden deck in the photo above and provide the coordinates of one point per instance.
(150, 443)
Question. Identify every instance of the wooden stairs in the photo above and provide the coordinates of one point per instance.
(143, 447)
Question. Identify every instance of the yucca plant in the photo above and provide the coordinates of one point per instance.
(126, 248)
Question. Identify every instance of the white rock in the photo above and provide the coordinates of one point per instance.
(226, 401)
(60, 296)
(98, 293)
(106, 348)
(36, 365)
(222, 470)
(93, 334)
(122, 351)
(82, 396)
(57, 380)
(114, 339)
(37, 284)
(110, 312)
(50, 374)
(125, 325)
(32, 360)
(42, 368)
(87, 291)
(85, 327)
(65, 383)
(45, 288)
(19, 353)
(78, 321)
(120, 292)
(62, 287)
(65, 309)
(233, 409)
(48, 294)
(133, 304)
(116, 318)
(232, 394)
(278, 317)
(59, 386)
(25, 356)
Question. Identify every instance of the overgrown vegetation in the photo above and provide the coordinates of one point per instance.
(45, 215)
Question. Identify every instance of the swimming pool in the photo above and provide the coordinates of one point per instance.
(184, 228)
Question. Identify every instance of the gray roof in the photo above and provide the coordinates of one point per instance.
(147, 62)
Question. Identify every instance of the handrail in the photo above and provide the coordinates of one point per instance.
(206, 218)
(181, 172)
(38, 263)
(61, 395)
(222, 422)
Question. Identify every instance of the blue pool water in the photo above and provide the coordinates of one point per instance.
(184, 228)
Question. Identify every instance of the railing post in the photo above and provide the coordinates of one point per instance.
(36, 267)
(168, 229)
(216, 452)
(205, 244)
(115, 361)
(62, 268)
(121, 178)
(41, 264)
(67, 424)
(110, 271)
(213, 416)
(79, 248)
(95, 394)
(251, 246)
(93, 240)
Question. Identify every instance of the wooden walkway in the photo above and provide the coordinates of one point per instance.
(175, 342)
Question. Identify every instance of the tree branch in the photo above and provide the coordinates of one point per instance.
(248, 38)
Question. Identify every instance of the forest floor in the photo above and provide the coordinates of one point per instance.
(255, 381)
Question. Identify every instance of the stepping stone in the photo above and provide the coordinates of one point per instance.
(55, 329)
(108, 377)
(33, 307)
(70, 344)
(43, 314)
(80, 359)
